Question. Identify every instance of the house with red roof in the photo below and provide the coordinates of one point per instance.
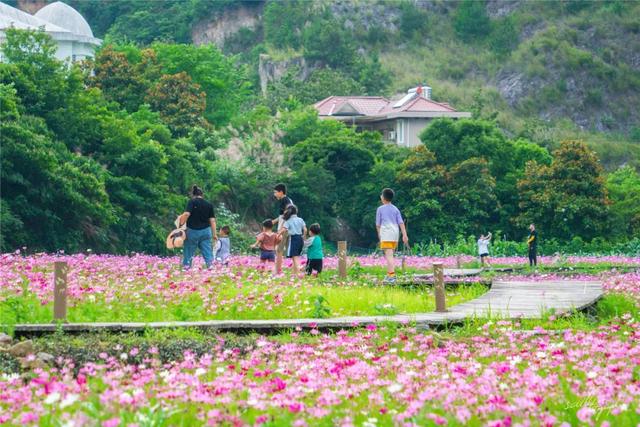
(399, 121)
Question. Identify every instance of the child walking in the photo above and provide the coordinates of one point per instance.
(223, 248)
(389, 223)
(267, 241)
(483, 249)
(295, 227)
(314, 251)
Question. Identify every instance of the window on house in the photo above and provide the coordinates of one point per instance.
(400, 131)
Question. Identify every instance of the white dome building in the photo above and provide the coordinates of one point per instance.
(64, 24)
(65, 16)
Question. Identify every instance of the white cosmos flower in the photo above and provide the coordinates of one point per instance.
(69, 400)
(394, 388)
(52, 398)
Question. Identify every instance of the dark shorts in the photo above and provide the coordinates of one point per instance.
(314, 265)
(484, 255)
(296, 242)
(267, 255)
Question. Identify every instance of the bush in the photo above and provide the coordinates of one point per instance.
(506, 248)
(471, 21)
(412, 19)
(504, 36)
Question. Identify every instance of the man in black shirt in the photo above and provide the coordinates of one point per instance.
(532, 243)
(283, 201)
(201, 228)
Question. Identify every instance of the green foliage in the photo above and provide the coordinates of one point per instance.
(495, 192)
(471, 22)
(146, 22)
(503, 247)
(456, 141)
(78, 171)
(190, 86)
(412, 19)
(504, 36)
(157, 119)
(179, 101)
(220, 78)
(284, 22)
(320, 84)
(321, 308)
(423, 181)
(373, 76)
(325, 40)
(569, 197)
(51, 199)
(123, 79)
(624, 192)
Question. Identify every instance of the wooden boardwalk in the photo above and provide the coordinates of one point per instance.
(505, 300)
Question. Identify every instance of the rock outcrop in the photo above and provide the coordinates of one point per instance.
(271, 71)
(220, 27)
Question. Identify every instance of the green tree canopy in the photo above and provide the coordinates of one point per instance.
(568, 198)
(471, 22)
(623, 186)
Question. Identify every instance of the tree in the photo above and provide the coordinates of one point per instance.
(122, 80)
(471, 200)
(284, 22)
(179, 101)
(504, 36)
(325, 40)
(623, 187)
(225, 83)
(412, 19)
(372, 76)
(471, 21)
(38, 77)
(422, 180)
(455, 141)
(568, 198)
(51, 199)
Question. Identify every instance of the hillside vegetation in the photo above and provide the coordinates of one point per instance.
(546, 70)
(118, 141)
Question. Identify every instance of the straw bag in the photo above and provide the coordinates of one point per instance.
(176, 238)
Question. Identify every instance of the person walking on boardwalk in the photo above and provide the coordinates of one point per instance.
(389, 223)
(201, 228)
(283, 202)
(532, 243)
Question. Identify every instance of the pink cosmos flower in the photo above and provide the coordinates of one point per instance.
(113, 422)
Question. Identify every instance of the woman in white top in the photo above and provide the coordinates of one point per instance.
(483, 249)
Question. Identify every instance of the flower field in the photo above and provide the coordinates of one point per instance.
(146, 288)
(554, 372)
(500, 377)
